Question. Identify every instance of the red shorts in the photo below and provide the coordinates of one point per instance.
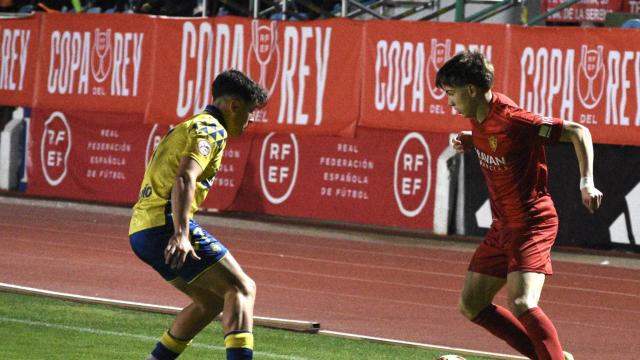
(507, 249)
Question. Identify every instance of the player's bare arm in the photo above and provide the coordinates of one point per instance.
(462, 143)
(580, 136)
(182, 193)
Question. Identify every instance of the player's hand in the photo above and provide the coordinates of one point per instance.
(177, 250)
(591, 198)
(462, 143)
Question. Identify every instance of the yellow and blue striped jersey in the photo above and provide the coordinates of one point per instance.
(202, 138)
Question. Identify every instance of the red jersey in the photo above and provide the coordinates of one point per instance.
(510, 148)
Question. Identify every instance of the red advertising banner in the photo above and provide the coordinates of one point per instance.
(95, 62)
(97, 160)
(593, 79)
(583, 11)
(102, 157)
(229, 178)
(631, 6)
(18, 59)
(324, 77)
(401, 62)
(311, 70)
(381, 177)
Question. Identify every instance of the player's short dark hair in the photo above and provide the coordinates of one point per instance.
(236, 84)
(466, 68)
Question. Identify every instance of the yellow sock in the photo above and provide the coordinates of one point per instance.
(168, 348)
(239, 345)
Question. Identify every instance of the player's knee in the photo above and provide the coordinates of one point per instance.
(250, 288)
(467, 308)
(245, 289)
(520, 304)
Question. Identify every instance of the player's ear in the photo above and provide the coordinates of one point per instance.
(473, 90)
(235, 105)
(223, 105)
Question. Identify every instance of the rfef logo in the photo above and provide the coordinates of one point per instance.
(55, 148)
(278, 166)
(440, 53)
(263, 58)
(101, 55)
(591, 76)
(412, 174)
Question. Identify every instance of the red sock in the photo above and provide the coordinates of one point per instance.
(501, 323)
(543, 334)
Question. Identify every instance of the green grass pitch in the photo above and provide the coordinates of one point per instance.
(34, 327)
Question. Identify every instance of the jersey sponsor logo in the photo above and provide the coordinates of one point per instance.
(279, 163)
(55, 148)
(204, 147)
(493, 142)
(493, 163)
(412, 174)
(146, 191)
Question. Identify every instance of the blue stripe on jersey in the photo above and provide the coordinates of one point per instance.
(207, 183)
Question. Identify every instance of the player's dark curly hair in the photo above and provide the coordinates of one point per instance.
(235, 83)
(466, 68)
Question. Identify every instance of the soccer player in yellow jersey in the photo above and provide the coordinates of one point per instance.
(164, 234)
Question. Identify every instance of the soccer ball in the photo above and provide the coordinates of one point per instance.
(450, 357)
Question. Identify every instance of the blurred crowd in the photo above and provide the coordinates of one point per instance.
(295, 9)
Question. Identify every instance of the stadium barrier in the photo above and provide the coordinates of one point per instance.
(397, 179)
(381, 177)
(324, 77)
(11, 151)
(104, 89)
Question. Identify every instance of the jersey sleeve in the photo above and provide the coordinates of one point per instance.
(540, 129)
(206, 139)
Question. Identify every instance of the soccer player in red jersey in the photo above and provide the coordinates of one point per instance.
(509, 142)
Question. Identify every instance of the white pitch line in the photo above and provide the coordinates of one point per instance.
(419, 345)
(133, 336)
(295, 325)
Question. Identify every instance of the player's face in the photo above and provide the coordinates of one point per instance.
(241, 115)
(461, 99)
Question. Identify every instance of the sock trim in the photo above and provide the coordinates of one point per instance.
(174, 344)
(491, 308)
(239, 339)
